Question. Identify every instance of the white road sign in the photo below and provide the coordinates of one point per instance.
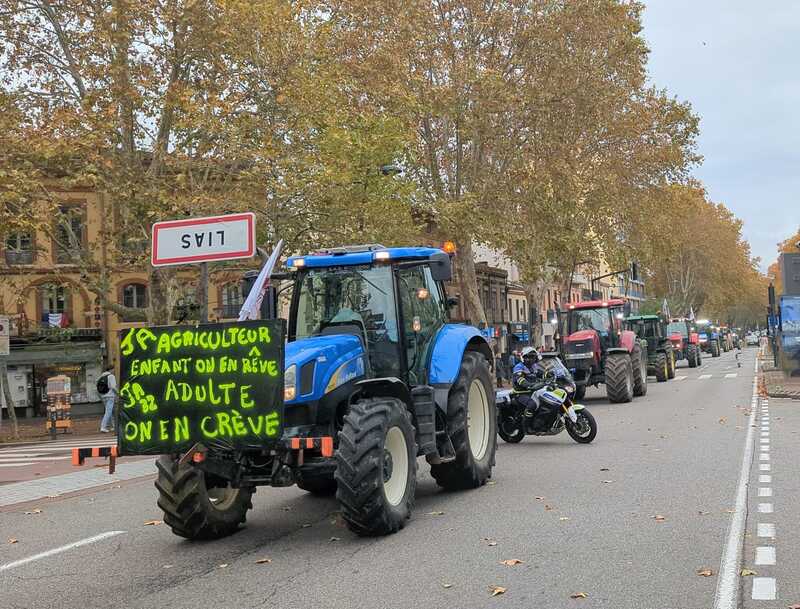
(204, 239)
(5, 332)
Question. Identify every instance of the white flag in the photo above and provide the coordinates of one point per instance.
(251, 309)
(691, 314)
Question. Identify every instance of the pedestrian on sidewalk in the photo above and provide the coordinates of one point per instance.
(107, 388)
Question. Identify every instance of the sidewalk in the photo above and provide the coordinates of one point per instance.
(778, 385)
(34, 429)
(53, 486)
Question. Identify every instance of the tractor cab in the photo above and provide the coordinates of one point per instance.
(592, 338)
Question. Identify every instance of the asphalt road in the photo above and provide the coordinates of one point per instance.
(580, 518)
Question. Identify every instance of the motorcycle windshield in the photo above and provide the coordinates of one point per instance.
(557, 367)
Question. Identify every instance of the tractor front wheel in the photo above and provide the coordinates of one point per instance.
(619, 377)
(639, 367)
(714, 349)
(197, 505)
(662, 367)
(471, 425)
(692, 356)
(671, 364)
(376, 466)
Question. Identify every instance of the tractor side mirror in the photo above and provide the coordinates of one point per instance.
(441, 267)
(453, 301)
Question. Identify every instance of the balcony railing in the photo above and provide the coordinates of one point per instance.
(229, 311)
(19, 257)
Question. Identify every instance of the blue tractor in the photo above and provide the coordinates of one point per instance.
(375, 376)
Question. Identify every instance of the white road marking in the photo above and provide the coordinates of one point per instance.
(765, 467)
(765, 491)
(727, 593)
(766, 529)
(765, 555)
(763, 457)
(14, 464)
(59, 550)
(731, 375)
(764, 440)
(765, 508)
(764, 434)
(16, 459)
(703, 377)
(764, 589)
(765, 479)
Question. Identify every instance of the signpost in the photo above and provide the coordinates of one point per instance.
(5, 333)
(204, 240)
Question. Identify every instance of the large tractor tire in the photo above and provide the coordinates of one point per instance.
(376, 466)
(619, 377)
(692, 356)
(320, 486)
(472, 426)
(197, 505)
(714, 348)
(670, 364)
(662, 367)
(639, 367)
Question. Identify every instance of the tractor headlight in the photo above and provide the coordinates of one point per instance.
(290, 383)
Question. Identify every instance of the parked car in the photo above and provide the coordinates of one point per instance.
(751, 339)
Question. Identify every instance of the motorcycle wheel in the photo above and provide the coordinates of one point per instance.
(510, 430)
(585, 430)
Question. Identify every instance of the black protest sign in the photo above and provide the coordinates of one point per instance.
(219, 384)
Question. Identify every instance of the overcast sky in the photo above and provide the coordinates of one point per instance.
(736, 62)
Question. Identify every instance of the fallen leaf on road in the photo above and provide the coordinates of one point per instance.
(579, 595)
(795, 606)
(263, 561)
(334, 539)
(607, 481)
(166, 566)
(36, 511)
(511, 562)
(489, 542)
(705, 572)
(223, 565)
(547, 508)
(659, 518)
(447, 585)
(491, 483)
(306, 525)
(496, 590)
(55, 496)
(746, 572)
(729, 511)
(539, 498)
(287, 508)
(437, 513)
(702, 513)
(153, 523)
(722, 420)
(12, 540)
(604, 469)
(563, 518)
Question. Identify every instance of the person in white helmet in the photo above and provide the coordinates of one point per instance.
(526, 377)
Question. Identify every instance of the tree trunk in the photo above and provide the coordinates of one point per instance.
(468, 283)
(7, 397)
(535, 295)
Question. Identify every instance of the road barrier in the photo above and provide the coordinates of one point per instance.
(110, 452)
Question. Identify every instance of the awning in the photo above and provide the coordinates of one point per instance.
(58, 353)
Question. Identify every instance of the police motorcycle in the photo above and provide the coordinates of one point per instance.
(553, 393)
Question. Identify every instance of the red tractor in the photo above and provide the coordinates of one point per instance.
(685, 341)
(598, 350)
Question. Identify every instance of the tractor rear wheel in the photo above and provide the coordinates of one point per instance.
(662, 367)
(472, 426)
(692, 356)
(639, 367)
(670, 364)
(619, 377)
(376, 466)
(197, 505)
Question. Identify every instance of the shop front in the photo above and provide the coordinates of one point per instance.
(30, 366)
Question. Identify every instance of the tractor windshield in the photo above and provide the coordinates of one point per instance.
(589, 319)
(357, 300)
(677, 327)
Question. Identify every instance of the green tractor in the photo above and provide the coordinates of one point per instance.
(660, 355)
